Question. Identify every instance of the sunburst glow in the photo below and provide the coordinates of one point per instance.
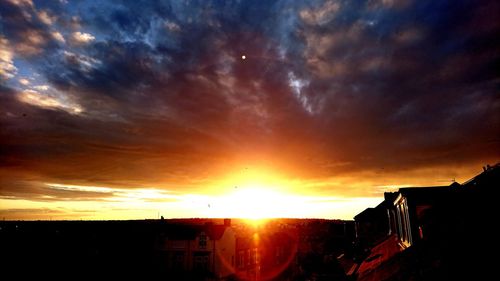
(257, 203)
(251, 193)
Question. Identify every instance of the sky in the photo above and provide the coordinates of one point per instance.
(136, 109)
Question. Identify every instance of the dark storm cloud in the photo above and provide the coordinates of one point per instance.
(43, 144)
(385, 80)
(326, 87)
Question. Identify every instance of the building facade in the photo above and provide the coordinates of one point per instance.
(203, 252)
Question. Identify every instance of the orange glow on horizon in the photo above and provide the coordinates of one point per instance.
(252, 193)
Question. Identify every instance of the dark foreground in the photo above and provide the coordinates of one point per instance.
(174, 249)
(427, 233)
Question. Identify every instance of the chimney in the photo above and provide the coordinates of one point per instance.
(227, 222)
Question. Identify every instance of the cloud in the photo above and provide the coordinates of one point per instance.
(24, 81)
(41, 87)
(172, 26)
(36, 98)
(82, 192)
(54, 192)
(36, 191)
(82, 37)
(7, 67)
(33, 43)
(297, 85)
(396, 4)
(320, 15)
(58, 36)
(82, 62)
(30, 213)
(26, 28)
(27, 3)
(46, 18)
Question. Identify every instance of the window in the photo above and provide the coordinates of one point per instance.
(201, 261)
(403, 221)
(179, 260)
(241, 259)
(400, 223)
(202, 241)
(408, 224)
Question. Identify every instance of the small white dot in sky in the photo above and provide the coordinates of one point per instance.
(243, 57)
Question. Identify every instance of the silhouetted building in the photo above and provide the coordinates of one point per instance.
(407, 214)
(372, 224)
(265, 255)
(431, 233)
(247, 257)
(203, 251)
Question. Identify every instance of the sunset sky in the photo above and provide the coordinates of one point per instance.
(134, 109)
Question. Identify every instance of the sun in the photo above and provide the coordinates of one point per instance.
(255, 203)
(255, 194)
